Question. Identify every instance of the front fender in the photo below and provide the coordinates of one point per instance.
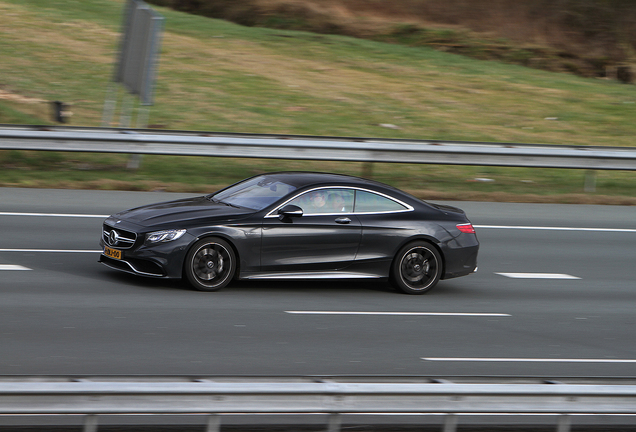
(246, 242)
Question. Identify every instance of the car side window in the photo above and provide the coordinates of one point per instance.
(325, 201)
(369, 202)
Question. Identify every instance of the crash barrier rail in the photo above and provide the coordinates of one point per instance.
(333, 397)
(187, 143)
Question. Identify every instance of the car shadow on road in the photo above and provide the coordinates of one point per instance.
(131, 280)
(325, 285)
(246, 286)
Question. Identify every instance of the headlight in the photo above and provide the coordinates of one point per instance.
(164, 236)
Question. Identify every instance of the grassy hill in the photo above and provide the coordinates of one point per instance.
(585, 37)
(218, 76)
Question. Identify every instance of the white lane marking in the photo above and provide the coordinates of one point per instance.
(13, 267)
(513, 227)
(399, 313)
(538, 276)
(54, 215)
(51, 250)
(534, 360)
(623, 230)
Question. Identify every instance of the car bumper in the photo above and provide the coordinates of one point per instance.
(461, 261)
(164, 260)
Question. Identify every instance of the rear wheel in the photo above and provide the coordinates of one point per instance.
(210, 264)
(417, 268)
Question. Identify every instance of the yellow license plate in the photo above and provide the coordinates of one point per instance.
(113, 253)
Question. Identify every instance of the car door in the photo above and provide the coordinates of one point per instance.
(386, 222)
(324, 238)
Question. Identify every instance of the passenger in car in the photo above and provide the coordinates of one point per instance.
(337, 203)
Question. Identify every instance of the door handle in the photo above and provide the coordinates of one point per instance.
(343, 220)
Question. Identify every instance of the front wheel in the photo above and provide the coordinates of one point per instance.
(417, 268)
(210, 264)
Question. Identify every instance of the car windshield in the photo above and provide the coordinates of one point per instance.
(256, 193)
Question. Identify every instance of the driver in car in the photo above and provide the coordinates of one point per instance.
(318, 200)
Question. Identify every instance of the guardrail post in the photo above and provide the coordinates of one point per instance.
(564, 423)
(334, 422)
(590, 181)
(367, 169)
(90, 423)
(450, 423)
(214, 423)
(110, 104)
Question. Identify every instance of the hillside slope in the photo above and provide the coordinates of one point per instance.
(585, 37)
(215, 75)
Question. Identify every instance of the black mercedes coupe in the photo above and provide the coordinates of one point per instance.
(294, 225)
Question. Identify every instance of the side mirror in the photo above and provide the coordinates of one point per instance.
(289, 211)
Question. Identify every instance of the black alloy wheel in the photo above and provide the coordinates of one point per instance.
(417, 268)
(210, 264)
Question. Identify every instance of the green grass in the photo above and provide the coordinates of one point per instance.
(218, 76)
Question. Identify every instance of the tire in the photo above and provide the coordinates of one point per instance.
(210, 264)
(417, 268)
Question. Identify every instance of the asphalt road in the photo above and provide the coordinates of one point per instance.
(545, 302)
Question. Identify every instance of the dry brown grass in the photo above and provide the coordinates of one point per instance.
(540, 21)
(587, 37)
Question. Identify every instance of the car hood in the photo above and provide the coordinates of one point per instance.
(184, 210)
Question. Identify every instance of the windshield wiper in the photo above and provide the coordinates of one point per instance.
(217, 201)
(230, 205)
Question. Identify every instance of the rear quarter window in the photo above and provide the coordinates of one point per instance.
(369, 202)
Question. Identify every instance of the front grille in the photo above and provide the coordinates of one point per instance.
(118, 238)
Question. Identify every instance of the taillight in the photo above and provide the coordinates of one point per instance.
(466, 228)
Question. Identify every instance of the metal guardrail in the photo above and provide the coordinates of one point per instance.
(216, 397)
(106, 140)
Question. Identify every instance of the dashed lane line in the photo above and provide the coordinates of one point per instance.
(541, 228)
(54, 215)
(13, 267)
(399, 313)
(538, 276)
(522, 360)
(52, 250)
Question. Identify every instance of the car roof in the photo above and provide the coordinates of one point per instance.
(302, 179)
